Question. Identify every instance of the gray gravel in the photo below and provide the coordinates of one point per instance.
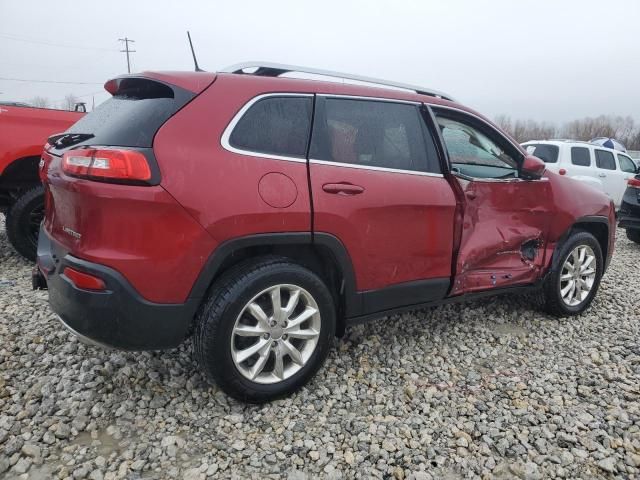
(493, 389)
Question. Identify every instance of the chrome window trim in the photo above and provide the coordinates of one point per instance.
(226, 135)
(467, 178)
(374, 168)
(372, 99)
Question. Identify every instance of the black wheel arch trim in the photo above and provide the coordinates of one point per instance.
(555, 260)
(227, 249)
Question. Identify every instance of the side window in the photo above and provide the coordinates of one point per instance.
(626, 164)
(276, 126)
(605, 160)
(372, 133)
(580, 156)
(545, 152)
(472, 153)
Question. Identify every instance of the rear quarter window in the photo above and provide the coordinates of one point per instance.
(275, 126)
(546, 153)
(605, 160)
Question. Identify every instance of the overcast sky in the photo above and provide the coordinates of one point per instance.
(543, 59)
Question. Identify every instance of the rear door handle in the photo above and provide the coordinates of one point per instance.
(602, 175)
(342, 188)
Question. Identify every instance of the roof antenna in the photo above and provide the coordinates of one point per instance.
(195, 61)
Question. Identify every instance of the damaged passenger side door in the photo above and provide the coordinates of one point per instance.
(505, 218)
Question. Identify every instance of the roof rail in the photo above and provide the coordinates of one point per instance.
(266, 69)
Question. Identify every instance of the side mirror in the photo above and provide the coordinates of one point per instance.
(532, 168)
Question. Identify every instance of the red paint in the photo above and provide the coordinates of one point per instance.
(277, 190)
(396, 227)
(562, 171)
(397, 230)
(24, 130)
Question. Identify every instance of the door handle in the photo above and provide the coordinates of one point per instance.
(471, 195)
(602, 175)
(342, 188)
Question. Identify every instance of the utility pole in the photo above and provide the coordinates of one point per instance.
(126, 49)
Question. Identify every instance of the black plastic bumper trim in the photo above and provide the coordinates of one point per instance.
(118, 317)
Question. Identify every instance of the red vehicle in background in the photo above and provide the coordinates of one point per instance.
(23, 133)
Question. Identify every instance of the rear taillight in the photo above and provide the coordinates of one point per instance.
(634, 182)
(107, 164)
(84, 280)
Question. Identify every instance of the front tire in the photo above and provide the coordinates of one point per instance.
(23, 222)
(633, 235)
(265, 329)
(571, 287)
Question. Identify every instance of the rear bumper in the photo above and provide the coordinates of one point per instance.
(117, 317)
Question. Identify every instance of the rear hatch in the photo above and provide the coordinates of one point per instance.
(88, 192)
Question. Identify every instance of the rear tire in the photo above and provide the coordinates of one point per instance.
(23, 220)
(241, 316)
(567, 290)
(633, 235)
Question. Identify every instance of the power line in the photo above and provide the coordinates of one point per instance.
(126, 49)
(49, 81)
(58, 45)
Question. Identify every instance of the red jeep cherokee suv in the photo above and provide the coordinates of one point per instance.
(262, 215)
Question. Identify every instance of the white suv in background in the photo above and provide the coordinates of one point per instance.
(604, 168)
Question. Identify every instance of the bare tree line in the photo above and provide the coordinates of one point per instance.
(68, 103)
(623, 129)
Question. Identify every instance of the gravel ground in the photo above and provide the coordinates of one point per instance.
(492, 389)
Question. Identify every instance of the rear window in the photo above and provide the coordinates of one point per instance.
(276, 126)
(133, 115)
(605, 160)
(546, 153)
(580, 156)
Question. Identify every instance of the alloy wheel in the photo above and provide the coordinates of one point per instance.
(578, 275)
(275, 334)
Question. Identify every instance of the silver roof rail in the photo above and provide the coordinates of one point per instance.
(267, 69)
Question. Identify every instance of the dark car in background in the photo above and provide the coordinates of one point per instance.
(630, 210)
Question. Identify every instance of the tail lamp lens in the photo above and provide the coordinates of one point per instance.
(84, 280)
(107, 164)
(634, 182)
(562, 171)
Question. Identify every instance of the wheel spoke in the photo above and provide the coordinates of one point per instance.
(305, 334)
(293, 352)
(588, 272)
(262, 361)
(249, 331)
(565, 277)
(248, 352)
(300, 319)
(586, 263)
(292, 303)
(278, 367)
(566, 289)
(276, 303)
(258, 313)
